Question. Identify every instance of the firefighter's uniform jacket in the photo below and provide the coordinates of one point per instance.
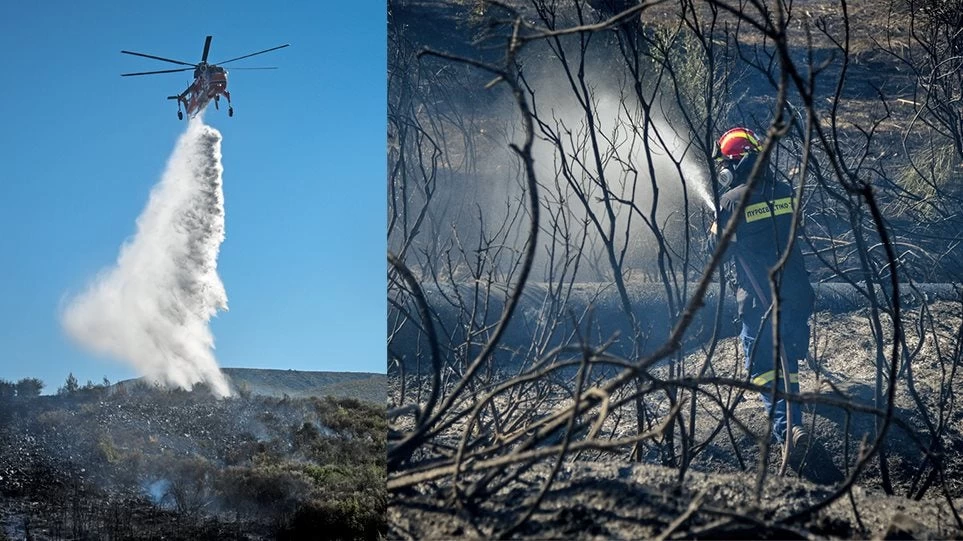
(760, 239)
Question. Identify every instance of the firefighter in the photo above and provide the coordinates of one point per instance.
(759, 242)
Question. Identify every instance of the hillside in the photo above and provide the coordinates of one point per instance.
(171, 464)
(367, 386)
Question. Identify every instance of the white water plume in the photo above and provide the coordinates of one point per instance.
(637, 158)
(698, 185)
(152, 308)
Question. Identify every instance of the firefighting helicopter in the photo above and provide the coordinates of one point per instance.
(210, 80)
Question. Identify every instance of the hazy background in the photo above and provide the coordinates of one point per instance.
(480, 184)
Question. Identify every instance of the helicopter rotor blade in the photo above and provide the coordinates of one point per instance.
(153, 72)
(271, 68)
(207, 48)
(254, 54)
(159, 58)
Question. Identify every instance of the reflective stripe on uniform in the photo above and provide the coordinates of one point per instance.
(761, 211)
(767, 377)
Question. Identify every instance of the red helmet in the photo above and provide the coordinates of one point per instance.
(736, 143)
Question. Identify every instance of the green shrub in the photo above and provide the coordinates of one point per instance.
(346, 518)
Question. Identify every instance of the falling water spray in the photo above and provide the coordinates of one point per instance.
(152, 308)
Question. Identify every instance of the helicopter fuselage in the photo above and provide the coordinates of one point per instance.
(210, 80)
(210, 83)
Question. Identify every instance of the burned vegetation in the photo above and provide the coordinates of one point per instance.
(138, 462)
(563, 349)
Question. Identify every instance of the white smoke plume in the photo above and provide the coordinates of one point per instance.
(152, 308)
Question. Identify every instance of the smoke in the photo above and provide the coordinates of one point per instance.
(614, 177)
(159, 491)
(646, 169)
(152, 308)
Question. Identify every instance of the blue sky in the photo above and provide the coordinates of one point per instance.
(304, 173)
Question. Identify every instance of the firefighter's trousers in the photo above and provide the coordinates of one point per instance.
(761, 366)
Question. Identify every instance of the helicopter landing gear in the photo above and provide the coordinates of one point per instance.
(230, 108)
(180, 115)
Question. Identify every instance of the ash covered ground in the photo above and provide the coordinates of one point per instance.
(607, 494)
(146, 463)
